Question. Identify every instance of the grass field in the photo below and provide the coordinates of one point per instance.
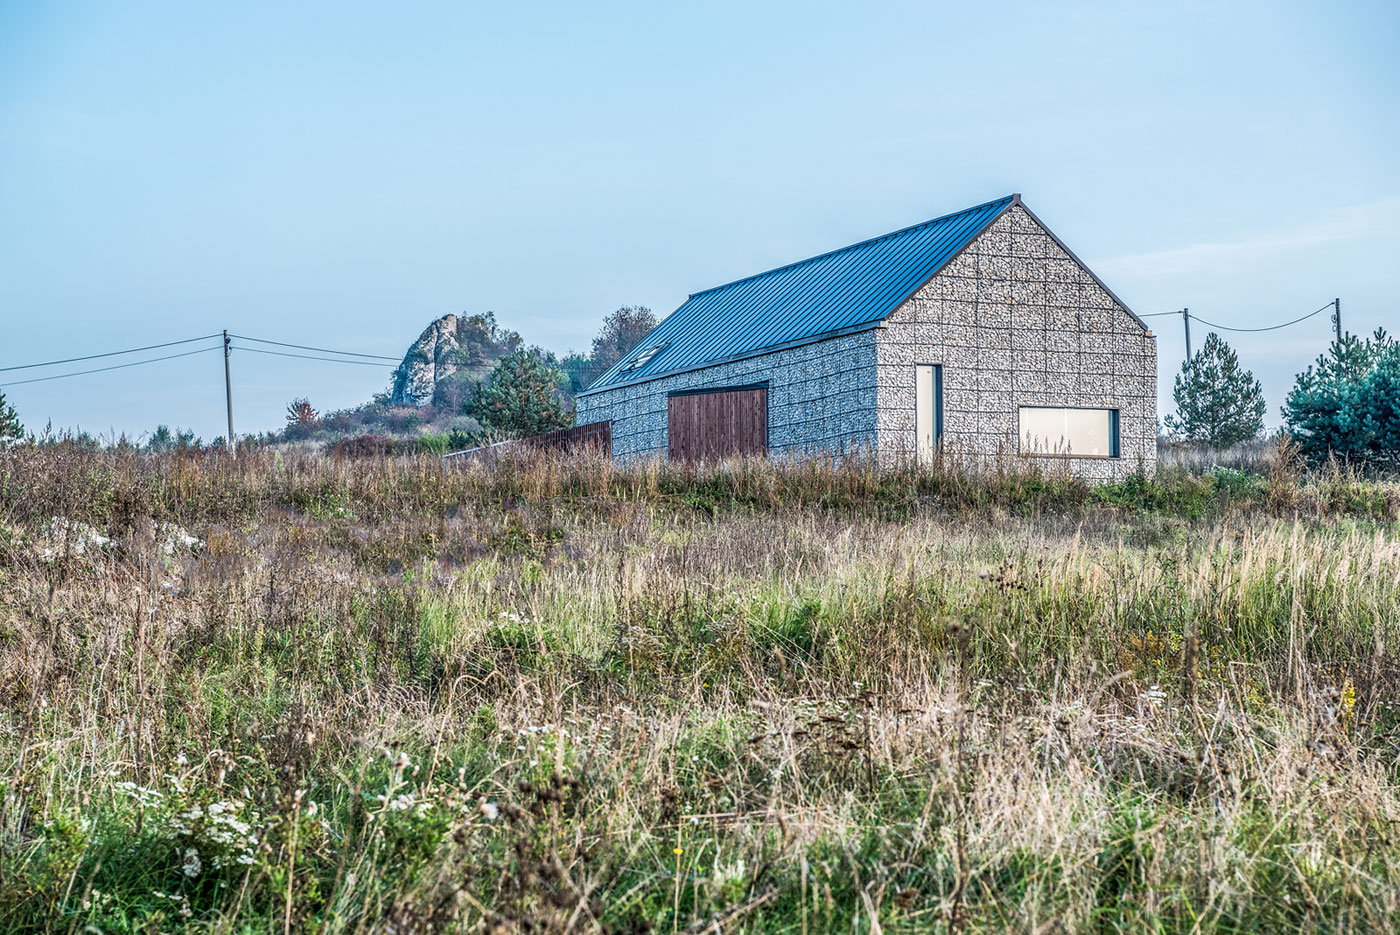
(296, 694)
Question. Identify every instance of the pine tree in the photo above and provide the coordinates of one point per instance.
(1347, 404)
(11, 430)
(519, 398)
(1217, 402)
(1379, 410)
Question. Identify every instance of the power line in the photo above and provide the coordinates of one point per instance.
(134, 363)
(152, 360)
(306, 347)
(1270, 328)
(334, 360)
(1158, 314)
(133, 350)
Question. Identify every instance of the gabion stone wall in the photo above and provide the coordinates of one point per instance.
(1015, 321)
(821, 398)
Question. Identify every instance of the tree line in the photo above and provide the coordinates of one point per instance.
(530, 391)
(1346, 404)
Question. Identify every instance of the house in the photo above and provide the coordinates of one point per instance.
(979, 332)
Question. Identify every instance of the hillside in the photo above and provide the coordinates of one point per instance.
(427, 405)
(380, 696)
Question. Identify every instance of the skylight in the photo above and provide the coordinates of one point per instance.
(641, 360)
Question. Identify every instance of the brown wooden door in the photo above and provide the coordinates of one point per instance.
(710, 426)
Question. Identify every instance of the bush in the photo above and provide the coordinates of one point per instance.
(365, 446)
(434, 443)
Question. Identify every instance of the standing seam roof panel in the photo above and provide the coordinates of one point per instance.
(942, 242)
(833, 292)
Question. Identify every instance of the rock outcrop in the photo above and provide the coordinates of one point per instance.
(461, 347)
(431, 358)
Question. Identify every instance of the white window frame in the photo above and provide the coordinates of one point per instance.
(928, 411)
(1063, 446)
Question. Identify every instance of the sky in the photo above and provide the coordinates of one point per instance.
(340, 175)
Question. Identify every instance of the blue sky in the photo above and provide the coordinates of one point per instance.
(341, 174)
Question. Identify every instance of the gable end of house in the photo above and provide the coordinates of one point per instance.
(1045, 228)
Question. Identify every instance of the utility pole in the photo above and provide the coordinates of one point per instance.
(1186, 320)
(228, 398)
(1337, 317)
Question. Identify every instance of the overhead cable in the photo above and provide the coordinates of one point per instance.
(1271, 327)
(306, 347)
(132, 350)
(334, 360)
(134, 363)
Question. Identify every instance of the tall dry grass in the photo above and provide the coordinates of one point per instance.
(379, 696)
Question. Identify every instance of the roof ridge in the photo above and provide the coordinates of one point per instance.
(1014, 197)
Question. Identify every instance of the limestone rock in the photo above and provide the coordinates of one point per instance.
(431, 358)
(465, 346)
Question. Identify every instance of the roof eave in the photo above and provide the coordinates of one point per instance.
(747, 355)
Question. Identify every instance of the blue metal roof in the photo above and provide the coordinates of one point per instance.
(843, 291)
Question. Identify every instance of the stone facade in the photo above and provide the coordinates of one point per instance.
(821, 397)
(1014, 321)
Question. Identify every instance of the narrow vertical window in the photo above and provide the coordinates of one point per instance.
(928, 410)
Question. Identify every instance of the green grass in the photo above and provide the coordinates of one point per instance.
(564, 696)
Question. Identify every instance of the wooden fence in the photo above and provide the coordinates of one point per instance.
(595, 437)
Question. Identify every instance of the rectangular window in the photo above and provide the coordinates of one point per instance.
(1079, 433)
